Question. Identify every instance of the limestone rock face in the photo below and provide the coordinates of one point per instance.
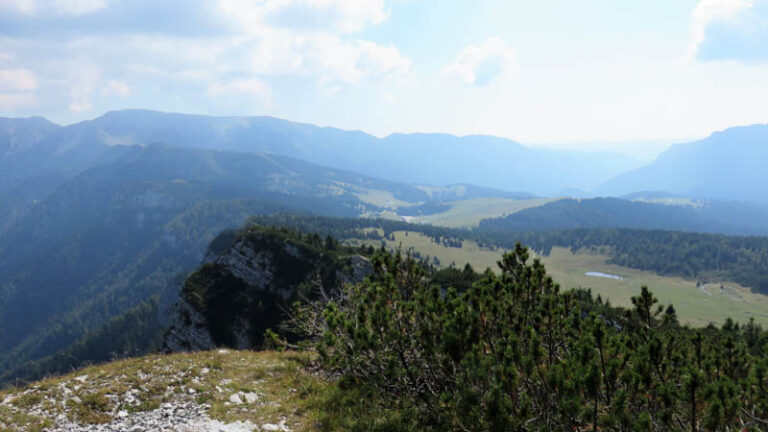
(248, 286)
(187, 331)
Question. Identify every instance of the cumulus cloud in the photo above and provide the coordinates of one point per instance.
(481, 64)
(378, 61)
(311, 38)
(252, 89)
(10, 102)
(327, 58)
(17, 80)
(17, 89)
(116, 88)
(207, 49)
(344, 16)
(729, 30)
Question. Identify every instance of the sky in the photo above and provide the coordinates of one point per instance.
(625, 74)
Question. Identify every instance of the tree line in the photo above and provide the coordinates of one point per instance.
(703, 257)
(514, 352)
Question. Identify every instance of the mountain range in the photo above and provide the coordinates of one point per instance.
(103, 216)
(727, 165)
(118, 233)
(481, 160)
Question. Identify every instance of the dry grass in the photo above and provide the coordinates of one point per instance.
(468, 213)
(697, 306)
(95, 394)
(286, 391)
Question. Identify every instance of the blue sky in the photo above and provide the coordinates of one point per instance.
(587, 74)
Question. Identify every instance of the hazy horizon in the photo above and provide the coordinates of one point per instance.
(643, 150)
(542, 74)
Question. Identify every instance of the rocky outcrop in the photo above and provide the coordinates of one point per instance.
(210, 391)
(248, 286)
(188, 331)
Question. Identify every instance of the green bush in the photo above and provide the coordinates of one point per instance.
(512, 352)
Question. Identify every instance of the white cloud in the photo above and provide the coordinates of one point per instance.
(250, 88)
(345, 16)
(376, 61)
(19, 6)
(82, 81)
(63, 7)
(17, 101)
(483, 63)
(708, 12)
(116, 88)
(17, 80)
(78, 7)
(295, 43)
(388, 97)
(310, 38)
(80, 100)
(17, 89)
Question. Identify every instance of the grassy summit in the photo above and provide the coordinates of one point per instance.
(243, 388)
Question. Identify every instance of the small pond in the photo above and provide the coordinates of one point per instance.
(603, 275)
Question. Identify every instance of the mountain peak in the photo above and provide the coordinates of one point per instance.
(727, 165)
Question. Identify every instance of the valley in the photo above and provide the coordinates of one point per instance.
(468, 213)
(695, 305)
(101, 227)
(383, 216)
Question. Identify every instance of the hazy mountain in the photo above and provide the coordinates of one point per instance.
(37, 156)
(20, 134)
(116, 234)
(704, 216)
(434, 159)
(727, 165)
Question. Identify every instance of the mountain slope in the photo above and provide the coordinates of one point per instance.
(707, 216)
(19, 190)
(727, 165)
(118, 233)
(222, 390)
(249, 280)
(21, 134)
(436, 159)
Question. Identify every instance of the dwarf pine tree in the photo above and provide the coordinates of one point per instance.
(514, 352)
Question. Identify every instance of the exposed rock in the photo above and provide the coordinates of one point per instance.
(180, 417)
(245, 289)
(188, 331)
(163, 393)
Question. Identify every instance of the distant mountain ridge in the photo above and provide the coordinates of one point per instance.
(727, 165)
(121, 232)
(37, 156)
(19, 134)
(705, 217)
(106, 216)
(476, 159)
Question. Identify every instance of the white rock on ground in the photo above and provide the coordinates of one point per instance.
(179, 417)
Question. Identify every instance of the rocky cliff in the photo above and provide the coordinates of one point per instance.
(248, 281)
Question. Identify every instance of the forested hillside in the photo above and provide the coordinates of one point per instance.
(693, 216)
(703, 257)
(478, 160)
(121, 232)
(727, 165)
(516, 352)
